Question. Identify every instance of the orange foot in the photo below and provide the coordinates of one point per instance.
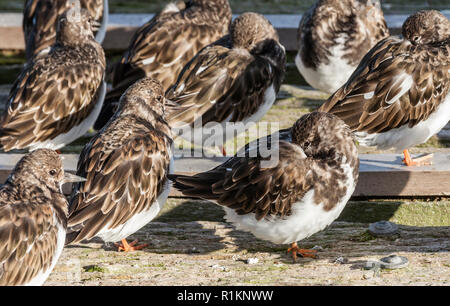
(421, 161)
(125, 247)
(302, 252)
(222, 149)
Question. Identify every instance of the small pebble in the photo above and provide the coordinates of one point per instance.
(252, 261)
(317, 248)
(394, 262)
(372, 265)
(218, 267)
(368, 275)
(383, 229)
(194, 250)
(341, 260)
(390, 262)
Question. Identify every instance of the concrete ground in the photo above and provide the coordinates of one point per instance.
(191, 244)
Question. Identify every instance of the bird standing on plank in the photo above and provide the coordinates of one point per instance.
(333, 37)
(58, 95)
(399, 96)
(230, 83)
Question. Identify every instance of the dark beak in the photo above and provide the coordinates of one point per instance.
(72, 178)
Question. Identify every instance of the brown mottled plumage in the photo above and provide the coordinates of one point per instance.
(162, 46)
(267, 199)
(40, 21)
(335, 31)
(399, 94)
(126, 166)
(33, 217)
(232, 79)
(57, 91)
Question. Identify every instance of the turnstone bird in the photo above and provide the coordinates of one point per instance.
(33, 218)
(162, 46)
(59, 94)
(284, 196)
(333, 37)
(40, 21)
(234, 80)
(126, 166)
(399, 96)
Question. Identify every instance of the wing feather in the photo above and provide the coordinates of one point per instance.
(28, 237)
(221, 84)
(243, 184)
(122, 179)
(40, 21)
(50, 99)
(396, 83)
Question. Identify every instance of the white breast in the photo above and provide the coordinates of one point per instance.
(405, 137)
(327, 77)
(307, 218)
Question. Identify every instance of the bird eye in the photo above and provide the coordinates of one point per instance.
(52, 172)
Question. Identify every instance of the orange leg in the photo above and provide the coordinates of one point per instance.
(421, 161)
(129, 247)
(224, 151)
(302, 252)
(58, 151)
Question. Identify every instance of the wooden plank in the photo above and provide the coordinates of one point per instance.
(381, 175)
(122, 26)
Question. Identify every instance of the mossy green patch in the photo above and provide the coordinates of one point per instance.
(189, 211)
(401, 211)
(363, 237)
(406, 212)
(94, 268)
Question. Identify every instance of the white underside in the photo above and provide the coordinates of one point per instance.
(140, 220)
(307, 218)
(171, 7)
(405, 137)
(327, 78)
(212, 134)
(39, 279)
(100, 36)
(76, 132)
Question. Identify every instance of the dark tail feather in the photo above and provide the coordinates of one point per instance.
(71, 236)
(193, 186)
(176, 179)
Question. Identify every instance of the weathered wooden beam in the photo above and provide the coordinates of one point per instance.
(122, 26)
(381, 175)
